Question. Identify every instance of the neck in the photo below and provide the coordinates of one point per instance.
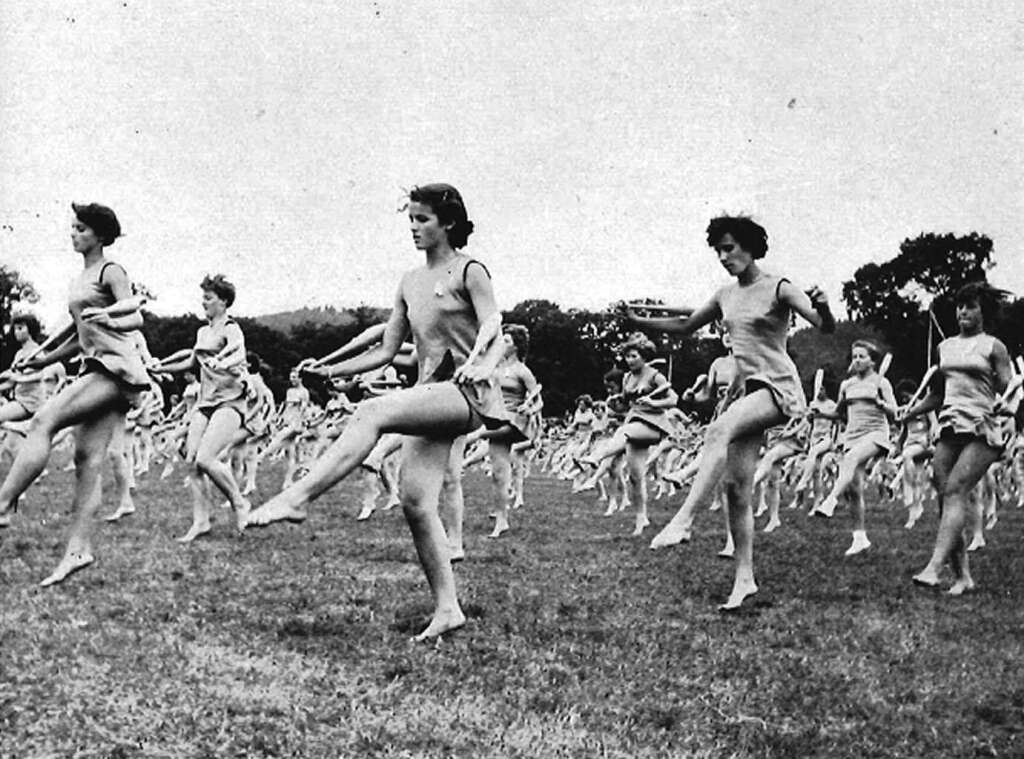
(218, 319)
(440, 255)
(749, 275)
(971, 331)
(92, 256)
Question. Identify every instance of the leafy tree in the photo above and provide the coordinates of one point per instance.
(14, 291)
(894, 297)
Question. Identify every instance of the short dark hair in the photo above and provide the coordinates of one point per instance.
(447, 204)
(254, 362)
(219, 285)
(750, 235)
(31, 324)
(640, 343)
(520, 338)
(989, 298)
(100, 219)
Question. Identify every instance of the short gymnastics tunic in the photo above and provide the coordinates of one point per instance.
(758, 323)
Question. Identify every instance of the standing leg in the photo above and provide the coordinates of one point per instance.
(424, 462)
(93, 437)
(739, 474)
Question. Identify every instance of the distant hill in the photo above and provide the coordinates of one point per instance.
(285, 321)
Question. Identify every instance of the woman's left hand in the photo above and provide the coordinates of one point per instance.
(467, 374)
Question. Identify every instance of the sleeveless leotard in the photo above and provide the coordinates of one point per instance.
(114, 353)
(758, 323)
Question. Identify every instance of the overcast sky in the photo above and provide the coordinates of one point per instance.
(592, 141)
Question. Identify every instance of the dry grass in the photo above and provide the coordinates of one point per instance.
(581, 642)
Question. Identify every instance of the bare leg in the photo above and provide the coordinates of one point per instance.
(81, 401)
(501, 480)
(121, 470)
(423, 468)
(741, 463)
(454, 504)
(433, 409)
(957, 470)
(92, 440)
(748, 416)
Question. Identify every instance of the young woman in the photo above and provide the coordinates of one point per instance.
(756, 310)
(222, 407)
(105, 313)
(650, 396)
(973, 368)
(30, 389)
(867, 402)
(448, 306)
(519, 394)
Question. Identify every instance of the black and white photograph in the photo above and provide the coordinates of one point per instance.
(447, 379)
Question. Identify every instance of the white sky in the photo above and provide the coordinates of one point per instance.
(592, 141)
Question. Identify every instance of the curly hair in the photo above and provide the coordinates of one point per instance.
(640, 343)
(520, 338)
(748, 234)
(447, 205)
(219, 285)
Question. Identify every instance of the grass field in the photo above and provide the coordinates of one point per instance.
(294, 641)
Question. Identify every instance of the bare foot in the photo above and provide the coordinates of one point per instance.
(773, 524)
(443, 621)
(5, 514)
(728, 552)
(613, 506)
(913, 515)
(122, 511)
(642, 522)
(67, 567)
(761, 509)
(392, 502)
(992, 520)
(961, 586)
(197, 529)
(275, 511)
(977, 543)
(926, 579)
(671, 534)
(458, 553)
(740, 592)
(366, 512)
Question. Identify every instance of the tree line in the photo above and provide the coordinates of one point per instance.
(904, 304)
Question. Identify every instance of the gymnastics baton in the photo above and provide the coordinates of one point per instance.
(883, 367)
(925, 381)
(819, 382)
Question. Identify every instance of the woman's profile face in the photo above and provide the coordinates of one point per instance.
(733, 258)
(427, 231)
(212, 304)
(82, 236)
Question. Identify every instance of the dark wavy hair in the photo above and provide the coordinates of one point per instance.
(750, 235)
(100, 220)
(254, 362)
(447, 204)
(989, 298)
(640, 343)
(35, 329)
(219, 285)
(520, 338)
